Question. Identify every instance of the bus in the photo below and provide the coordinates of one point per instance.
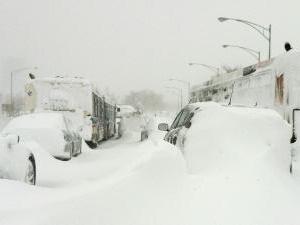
(79, 100)
(274, 84)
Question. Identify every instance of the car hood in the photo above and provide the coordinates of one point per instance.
(50, 139)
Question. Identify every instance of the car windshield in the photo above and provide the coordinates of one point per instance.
(175, 122)
(183, 117)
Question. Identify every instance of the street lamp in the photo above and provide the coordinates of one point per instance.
(259, 28)
(212, 68)
(180, 91)
(184, 82)
(11, 83)
(254, 53)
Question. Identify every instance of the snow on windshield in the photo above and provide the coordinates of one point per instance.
(37, 120)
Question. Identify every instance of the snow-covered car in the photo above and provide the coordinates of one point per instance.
(182, 120)
(76, 138)
(126, 111)
(136, 125)
(17, 162)
(129, 119)
(210, 118)
(77, 143)
(50, 130)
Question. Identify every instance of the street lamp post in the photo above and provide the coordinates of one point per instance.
(259, 28)
(254, 53)
(180, 91)
(212, 68)
(184, 82)
(11, 84)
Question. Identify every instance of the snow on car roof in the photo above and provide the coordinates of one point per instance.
(222, 137)
(37, 120)
(232, 108)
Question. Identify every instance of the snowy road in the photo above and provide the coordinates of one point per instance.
(130, 183)
(73, 190)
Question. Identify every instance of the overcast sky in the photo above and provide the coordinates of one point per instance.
(135, 44)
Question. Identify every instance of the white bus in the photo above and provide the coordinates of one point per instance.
(79, 100)
(271, 84)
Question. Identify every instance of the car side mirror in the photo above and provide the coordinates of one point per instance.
(163, 127)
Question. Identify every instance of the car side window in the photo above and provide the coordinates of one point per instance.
(175, 122)
(183, 118)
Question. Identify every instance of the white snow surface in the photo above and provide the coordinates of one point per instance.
(37, 120)
(42, 128)
(227, 139)
(244, 179)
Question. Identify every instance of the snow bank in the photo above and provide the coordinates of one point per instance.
(234, 138)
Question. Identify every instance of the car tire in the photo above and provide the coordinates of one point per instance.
(30, 176)
(71, 151)
(91, 144)
(79, 148)
(174, 140)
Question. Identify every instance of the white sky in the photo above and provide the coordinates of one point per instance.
(136, 44)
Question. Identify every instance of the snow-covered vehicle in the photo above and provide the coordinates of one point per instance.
(209, 116)
(123, 111)
(217, 139)
(50, 130)
(273, 84)
(126, 111)
(133, 120)
(17, 162)
(181, 122)
(79, 100)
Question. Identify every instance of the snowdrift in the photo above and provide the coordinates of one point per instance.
(223, 139)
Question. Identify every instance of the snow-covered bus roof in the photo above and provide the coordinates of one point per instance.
(73, 81)
(67, 80)
(288, 63)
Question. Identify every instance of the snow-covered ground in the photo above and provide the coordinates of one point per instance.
(3, 121)
(126, 182)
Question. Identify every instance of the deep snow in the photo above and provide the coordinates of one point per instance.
(126, 182)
